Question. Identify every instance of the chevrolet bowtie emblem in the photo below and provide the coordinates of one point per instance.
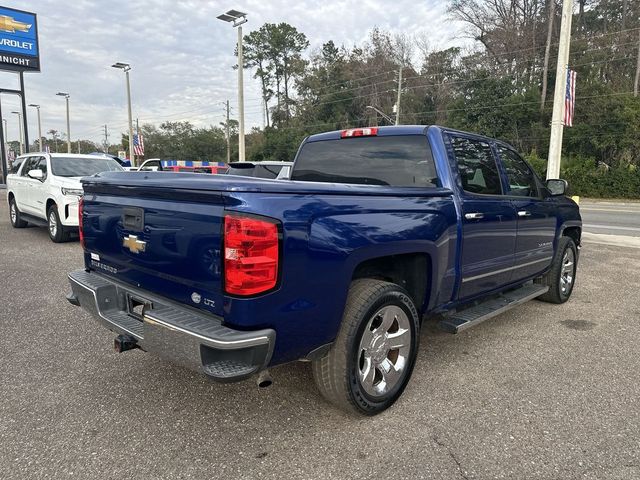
(133, 244)
(9, 24)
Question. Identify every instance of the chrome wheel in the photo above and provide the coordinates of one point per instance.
(384, 350)
(13, 213)
(567, 271)
(53, 224)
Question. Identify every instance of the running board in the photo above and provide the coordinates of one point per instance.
(38, 222)
(460, 321)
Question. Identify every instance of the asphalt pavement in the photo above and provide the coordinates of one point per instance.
(540, 392)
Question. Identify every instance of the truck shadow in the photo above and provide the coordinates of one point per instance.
(293, 395)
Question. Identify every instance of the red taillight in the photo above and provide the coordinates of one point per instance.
(251, 251)
(80, 225)
(359, 132)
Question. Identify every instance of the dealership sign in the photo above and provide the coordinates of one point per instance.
(18, 40)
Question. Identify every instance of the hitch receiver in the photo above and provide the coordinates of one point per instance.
(122, 343)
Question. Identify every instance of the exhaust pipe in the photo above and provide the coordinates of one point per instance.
(264, 379)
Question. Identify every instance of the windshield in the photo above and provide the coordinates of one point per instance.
(81, 167)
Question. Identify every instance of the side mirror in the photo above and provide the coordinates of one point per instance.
(37, 174)
(557, 186)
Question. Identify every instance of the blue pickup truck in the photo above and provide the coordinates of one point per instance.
(376, 230)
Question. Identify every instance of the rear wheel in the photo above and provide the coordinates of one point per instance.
(57, 232)
(14, 215)
(562, 276)
(371, 360)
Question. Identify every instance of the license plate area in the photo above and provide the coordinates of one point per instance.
(136, 306)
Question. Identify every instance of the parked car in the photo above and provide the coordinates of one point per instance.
(45, 189)
(156, 165)
(377, 229)
(266, 169)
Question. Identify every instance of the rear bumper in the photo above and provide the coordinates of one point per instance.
(179, 334)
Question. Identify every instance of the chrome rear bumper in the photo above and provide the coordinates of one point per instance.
(177, 333)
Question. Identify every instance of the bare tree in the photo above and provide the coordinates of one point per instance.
(551, 10)
(637, 79)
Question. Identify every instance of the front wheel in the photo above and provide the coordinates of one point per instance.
(562, 276)
(57, 232)
(371, 360)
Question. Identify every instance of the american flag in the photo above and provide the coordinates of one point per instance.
(138, 144)
(570, 98)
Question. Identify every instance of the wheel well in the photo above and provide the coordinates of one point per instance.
(412, 271)
(574, 233)
(50, 202)
(11, 196)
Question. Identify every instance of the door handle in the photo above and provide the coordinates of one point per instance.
(474, 215)
(524, 213)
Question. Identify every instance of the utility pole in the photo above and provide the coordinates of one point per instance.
(106, 139)
(78, 145)
(555, 142)
(228, 134)
(399, 95)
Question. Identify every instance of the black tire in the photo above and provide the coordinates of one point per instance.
(556, 278)
(57, 233)
(14, 215)
(338, 373)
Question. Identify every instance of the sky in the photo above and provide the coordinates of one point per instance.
(181, 55)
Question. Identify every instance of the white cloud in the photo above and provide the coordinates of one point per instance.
(181, 55)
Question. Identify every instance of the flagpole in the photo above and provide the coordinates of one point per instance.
(555, 142)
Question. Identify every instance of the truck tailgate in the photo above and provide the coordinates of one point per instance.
(169, 245)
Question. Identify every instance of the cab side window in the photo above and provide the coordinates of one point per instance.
(477, 166)
(27, 165)
(42, 165)
(522, 182)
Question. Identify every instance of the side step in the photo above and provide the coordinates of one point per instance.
(459, 321)
(38, 222)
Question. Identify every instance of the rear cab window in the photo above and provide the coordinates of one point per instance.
(393, 160)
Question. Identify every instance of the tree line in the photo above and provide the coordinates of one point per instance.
(500, 85)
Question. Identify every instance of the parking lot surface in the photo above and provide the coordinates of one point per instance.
(542, 391)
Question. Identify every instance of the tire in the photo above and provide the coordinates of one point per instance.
(350, 375)
(57, 232)
(562, 276)
(14, 215)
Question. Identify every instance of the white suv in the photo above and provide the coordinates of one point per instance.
(45, 188)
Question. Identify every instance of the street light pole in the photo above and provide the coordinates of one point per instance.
(66, 97)
(238, 18)
(241, 152)
(20, 131)
(126, 67)
(37, 107)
